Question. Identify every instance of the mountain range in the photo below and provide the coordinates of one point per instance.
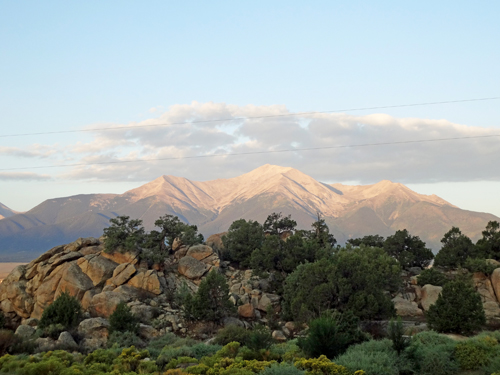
(349, 211)
(6, 211)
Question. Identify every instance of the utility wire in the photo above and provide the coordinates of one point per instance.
(243, 118)
(252, 152)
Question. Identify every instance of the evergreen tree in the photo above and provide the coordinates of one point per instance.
(489, 245)
(370, 240)
(458, 309)
(124, 235)
(65, 310)
(211, 302)
(123, 320)
(456, 248)
(410, 251)
(242, 238)
(277, 224)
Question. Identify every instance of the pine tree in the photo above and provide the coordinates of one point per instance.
(458, 309)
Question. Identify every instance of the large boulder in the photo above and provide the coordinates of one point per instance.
(199, 252)
(484, 287)
(148, 281)
(246, 311)
(97, 268)
(215, 241)
(495, 281)
(192, 268)
(430, 294)
(104, 304)
(406, 308)
(122, 274)
(119, 257)
(94, 328)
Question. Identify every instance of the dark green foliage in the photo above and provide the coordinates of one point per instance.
(158, 244)
(489, 245)
(409, 250)
(456, 248)
(211, 302)
(242, 238)
(479, 265)
(278, 224)
(284, 256)
(331, 335)
(124, 235)
(370, 240)
(352, 279)
(374, 357)
(124, 340)
(122, 320)
(397, 335)
(458, 309)
(232, 333)
(432, 354)
(65, 310)
(7, 339)
(321, 233)
(260, 337)
(431, 276)
(282, 369)
(477, 352)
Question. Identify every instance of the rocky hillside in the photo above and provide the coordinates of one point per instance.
(350, 211)
(100, 281)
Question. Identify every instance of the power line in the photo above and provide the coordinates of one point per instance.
(252, 152)
(244, 118)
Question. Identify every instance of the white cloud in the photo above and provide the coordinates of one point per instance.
(23, 176)
(190, 132)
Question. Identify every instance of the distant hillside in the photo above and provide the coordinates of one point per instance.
(6, 211)
(350, 211)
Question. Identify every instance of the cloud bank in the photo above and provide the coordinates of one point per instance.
(458, 160)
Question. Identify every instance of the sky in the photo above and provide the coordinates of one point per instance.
(71, 66)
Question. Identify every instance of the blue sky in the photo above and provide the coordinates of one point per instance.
(68, 65)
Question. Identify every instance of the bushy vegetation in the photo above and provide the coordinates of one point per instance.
(458, 309)
(432, 276)
(125, 234)
(410, 251)
(456, 248)
(353, 279)
(65, 310)
(331, 335)
(211, 302)
(122, 320)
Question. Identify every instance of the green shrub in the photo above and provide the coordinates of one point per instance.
(124, 339)
(201, 350)
(156, 345)
(456, 248)
(431, 276)
(397, 335)
(432, 354)
(123, 320)
(374, 357)
(287, 351)
(282, 369)
(260, 337)
(211, 302)
(65, 310)
(7, 338)
(232, 333)
(331, 335)
(479, 265)
(476, 352)
(458, 309)
(170, 353)
(410, 251)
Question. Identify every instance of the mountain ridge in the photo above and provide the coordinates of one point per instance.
(349, 210)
